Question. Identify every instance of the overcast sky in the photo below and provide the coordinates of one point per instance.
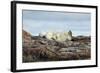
(50, 21)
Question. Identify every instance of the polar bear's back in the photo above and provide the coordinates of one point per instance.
(58, 36)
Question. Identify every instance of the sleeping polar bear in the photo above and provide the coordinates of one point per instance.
(58, 36)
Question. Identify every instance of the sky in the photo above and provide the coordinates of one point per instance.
(35, 22)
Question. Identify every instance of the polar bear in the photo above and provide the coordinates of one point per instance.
(49, 35)
(58, 36)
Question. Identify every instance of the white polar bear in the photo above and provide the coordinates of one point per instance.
(58, 36)
(48, 35)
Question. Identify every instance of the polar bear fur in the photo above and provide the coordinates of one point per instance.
(58, 36)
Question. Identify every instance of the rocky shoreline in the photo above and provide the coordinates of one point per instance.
(37, 49)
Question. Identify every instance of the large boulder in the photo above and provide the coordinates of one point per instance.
(26, 39)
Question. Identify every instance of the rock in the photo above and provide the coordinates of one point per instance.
(58, 47)
(26, 39)
(69, 49)
(69, 56)
(76, 44)
(84, 53)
